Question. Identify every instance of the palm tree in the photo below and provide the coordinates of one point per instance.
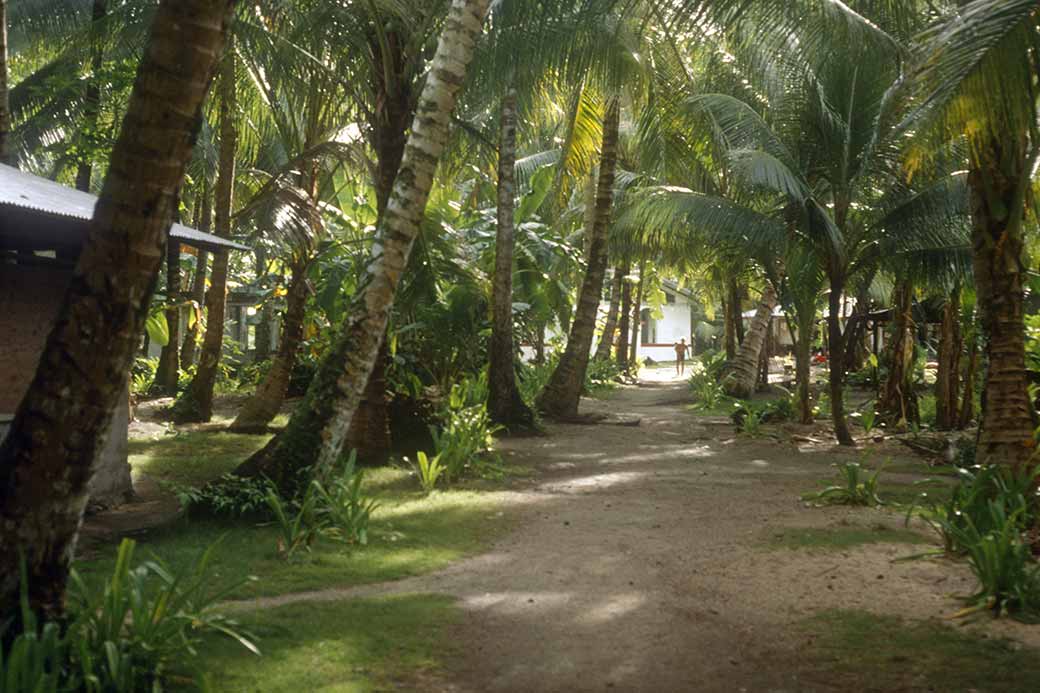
(976, 74)
(742, 372)
(84, 365)
(7, 155)
(322, 420)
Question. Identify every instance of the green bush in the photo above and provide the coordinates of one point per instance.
(856, 487)
(708, 393)
(143, 626)
(429, 469)
(228, 496)
(142, 374)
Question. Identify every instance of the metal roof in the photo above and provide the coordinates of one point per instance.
(26, 191)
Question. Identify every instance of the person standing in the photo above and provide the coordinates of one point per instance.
(680, 356)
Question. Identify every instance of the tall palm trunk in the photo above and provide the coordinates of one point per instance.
(803, 366)
(998, 181)
(562, 394)
(92, 94)
(967, 413)
(898, 404)
(625, 322)
(7, 154)
(637, 312)
(196, 404)
(169, 366)
(198, 285)
(947, 381)
(263, 406)
(321, 421)
(610, 327)
(46, 463)
(729, 307)
(505, 405)
(736, 295)
(837, 361)
(262, 348)
(740, 377)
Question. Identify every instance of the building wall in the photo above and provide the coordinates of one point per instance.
(30, 297)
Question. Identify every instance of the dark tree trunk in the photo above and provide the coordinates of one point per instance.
(262, 350)
(737, 298)
(84, 366)
(562, 394)
(263, 406)
(836, 361)
(505, 405)
(767, 354)
(637, 313)
(947, 381)
(897, 405)
(610, 327)
(625, 321)
(998, 181)
(198, 285)
(7, 153)
(169, 367)
(196, 403)
(729, 307)
(92, 94)
(539, 344)
(967, 413)
(739, 377)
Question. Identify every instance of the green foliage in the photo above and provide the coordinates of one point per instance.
(533, 377)
(143, 625)
(602, 375)
(465, 436)
(856, 487)
(430, 470)
(988, 518)
(712, 363)
(926, 407)
(751, 423)
(142, 374)
(869, 420)
(708, 393)
(344, 508)
(297, 523)
(228, 496)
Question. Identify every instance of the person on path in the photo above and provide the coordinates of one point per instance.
(680, 356)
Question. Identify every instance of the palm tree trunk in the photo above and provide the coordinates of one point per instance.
(998, 180)
(198, 286)
(637, 312)
(320, 424)
(92, 94)
(505, 405)
(47, 465)
(7, 154)
(562, 394)
(625, 322)
(968, 397)
(196, 403)
(610, 327)
(728, 308)
(262, 349)
(837, 363)
(736, 298)
(169, 367)
(947, 381)
(263, 406)
(803, 365)
(539, 344)
(897, 404)
(742, 372)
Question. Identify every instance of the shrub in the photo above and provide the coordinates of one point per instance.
(342, 506)
(708, 393)
(601, 376)
(229, 496)
(142, 626)
(430, 470)
(857, 487)
(297, 522)
(466, 434)
(142, 374)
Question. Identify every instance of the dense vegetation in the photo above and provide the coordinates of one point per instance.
(438, 197)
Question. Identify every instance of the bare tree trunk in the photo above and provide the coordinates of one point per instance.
(562, 394)
(7, 153)
(625, 322)
(737, 299)
(767, 354)
(263, 406)
(262, 350)
(610, 327)
(321, 421)
(92, 95)
(740, 376)
(729, 307)
(637, 312)
(198, 286)
(947, 381)
(196, 403)
(539, 345)
(837, 363)
(169, 367)
(998, 181)
(898, 404)
(83, 371)
(967, 413)
(505, 405)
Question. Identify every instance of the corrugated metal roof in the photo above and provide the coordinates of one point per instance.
(24, 190)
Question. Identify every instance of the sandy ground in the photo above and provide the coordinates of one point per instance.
(640, 562)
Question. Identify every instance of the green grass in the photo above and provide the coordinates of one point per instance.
(860, 651)
(844, 537)
(410, 534)
(193, 457)
(350, 645)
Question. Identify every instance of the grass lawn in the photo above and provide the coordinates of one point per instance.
(352, 645)
(893, 654)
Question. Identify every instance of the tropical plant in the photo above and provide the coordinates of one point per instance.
(430, 470)
(856, 487)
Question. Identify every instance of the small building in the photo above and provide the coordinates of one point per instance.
(43, 226)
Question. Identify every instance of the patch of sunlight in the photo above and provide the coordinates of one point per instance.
(614, 607)
(515, 603)
(596, 481)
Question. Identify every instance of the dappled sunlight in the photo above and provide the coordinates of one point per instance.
(594, 481)
(515, 603)
(614, 607)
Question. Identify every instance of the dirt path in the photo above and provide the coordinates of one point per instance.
(641, 562)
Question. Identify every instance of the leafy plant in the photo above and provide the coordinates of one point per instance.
(430, 470)
(230, 495)
(869, 420)
(466, 434)
(299, 526)
(708, 393)
(751, 423)
(36, 660)
(857, 487)
(344, 511)
(142, 374)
